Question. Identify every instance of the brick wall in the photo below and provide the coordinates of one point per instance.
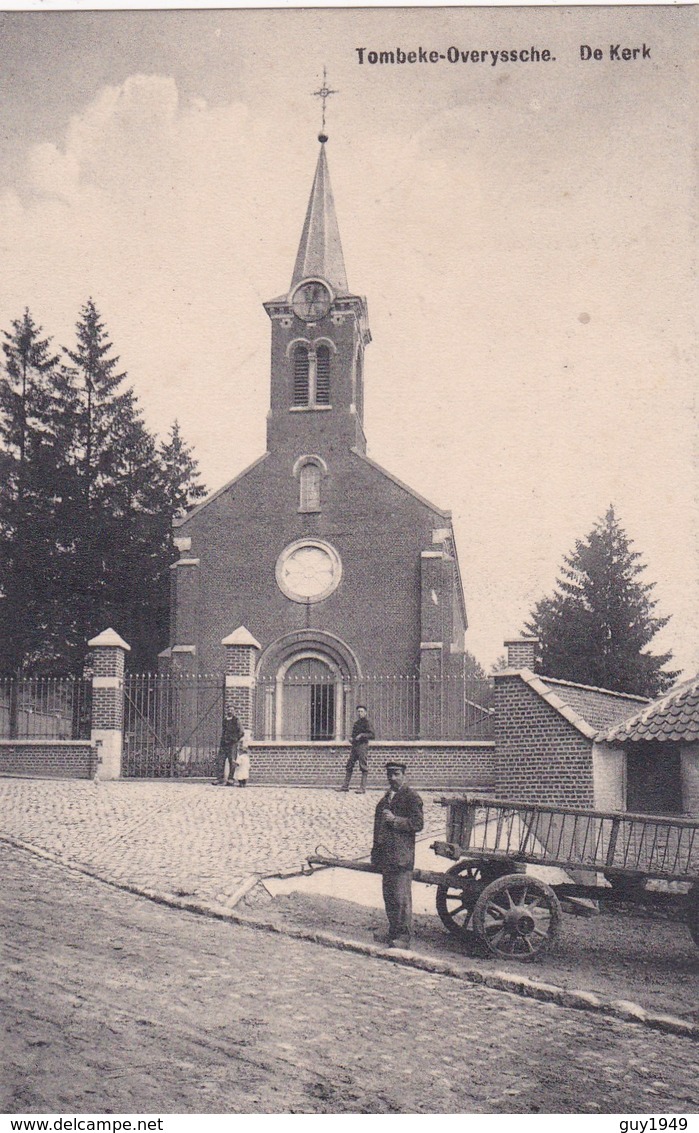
(448, 766)
(540, 756)
(107, 709)
(239, 700)
(240, 662)
(378, 529)
(60, 759)
(521, 652)
(107, 701)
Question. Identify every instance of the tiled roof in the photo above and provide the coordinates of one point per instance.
(674, 716)
(599, 706)
(588, 709)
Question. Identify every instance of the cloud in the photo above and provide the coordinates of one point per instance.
(144, 203)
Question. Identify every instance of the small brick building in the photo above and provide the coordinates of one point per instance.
(567, 744)
(545, 736)
(335, 567)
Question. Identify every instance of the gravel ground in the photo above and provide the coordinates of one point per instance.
(645, 959)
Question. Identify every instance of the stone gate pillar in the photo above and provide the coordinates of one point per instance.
(107, 730)
(241, 658)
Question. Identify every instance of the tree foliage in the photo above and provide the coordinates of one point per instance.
(472, 668)
(180, 474)
(86, 503)
(596, 626)
(33, 486)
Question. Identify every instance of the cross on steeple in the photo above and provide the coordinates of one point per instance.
(323, 93)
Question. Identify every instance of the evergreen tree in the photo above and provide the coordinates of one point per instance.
(472, 669)
(180, 474)
(140, 584)
(34, 484)
(178, 488)
(119, 518)
(87, 498)
(595, 627)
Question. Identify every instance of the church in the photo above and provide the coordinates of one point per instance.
(333, 568)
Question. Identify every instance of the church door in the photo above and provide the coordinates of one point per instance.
(308, 701)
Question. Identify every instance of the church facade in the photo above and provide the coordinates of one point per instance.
(335, 568)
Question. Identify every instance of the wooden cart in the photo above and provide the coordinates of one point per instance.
(610, 857)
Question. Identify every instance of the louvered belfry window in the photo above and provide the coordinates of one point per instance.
(323, 376)
(301, 375)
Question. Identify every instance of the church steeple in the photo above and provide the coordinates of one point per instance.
(320, 250)
(319, 332)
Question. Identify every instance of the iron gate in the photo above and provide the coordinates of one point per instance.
(172, 725)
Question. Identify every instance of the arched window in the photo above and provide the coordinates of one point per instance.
(301, 376)
(322, 376)
(309, 488)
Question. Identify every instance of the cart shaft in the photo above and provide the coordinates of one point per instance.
(425, 876)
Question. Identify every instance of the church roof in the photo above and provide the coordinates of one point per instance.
(320, 250)
(674, 716)
(219, 492)
(401, 484)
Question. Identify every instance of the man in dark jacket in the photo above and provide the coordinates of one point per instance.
(397, 820)
(231, 734)
(362, 732)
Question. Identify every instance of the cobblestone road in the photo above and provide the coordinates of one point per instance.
(117, 1004)
(189, 839)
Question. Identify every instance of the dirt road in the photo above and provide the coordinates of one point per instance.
(115, 1004)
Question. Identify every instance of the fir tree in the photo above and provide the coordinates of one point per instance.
(180, 474)
(119, 520)
(34, 483)
(472, 669)
(595, 627)
(140, 585)
(87, 499)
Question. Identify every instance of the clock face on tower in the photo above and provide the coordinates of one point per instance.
(308, 570)
(311, 300)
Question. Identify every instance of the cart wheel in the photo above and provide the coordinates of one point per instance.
(454, 907)
(693, 913)
(517, 917)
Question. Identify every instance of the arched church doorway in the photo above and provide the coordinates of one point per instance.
(309, 699)
(303, 688)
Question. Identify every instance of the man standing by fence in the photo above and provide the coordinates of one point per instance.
(362, 732)
(231, 734)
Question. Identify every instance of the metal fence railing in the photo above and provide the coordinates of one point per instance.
(399, 707)
(49, 708)
(176, 719)
(172, 724)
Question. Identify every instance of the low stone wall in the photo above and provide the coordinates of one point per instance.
(48, 759)
(437, 765)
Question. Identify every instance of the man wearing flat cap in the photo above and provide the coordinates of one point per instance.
(397, 820)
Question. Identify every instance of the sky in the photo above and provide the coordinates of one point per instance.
(525, 234)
